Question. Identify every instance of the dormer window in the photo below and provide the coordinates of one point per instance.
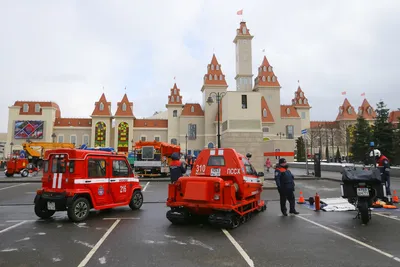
(269, 68)
(101, 106)
(25, 108)
(273, 78)
(217, 67)
(341, 110)
(210, 77)
(269, 78)
(220, 77)
(177, 99)
(369, 110)
(263, 78)
(265, 113)
(172, 99)
(293, 101)
(123, 107)
(305, 101)
(300, 101)
(212, 66)
(349, 110)
(192, 109)
(37, 107)
(288, 110)
(244, 30)
(215, 77)
(264, 68)
(301, 94)
(174, 91)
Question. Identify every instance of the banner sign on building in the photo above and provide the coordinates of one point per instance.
(28, 129)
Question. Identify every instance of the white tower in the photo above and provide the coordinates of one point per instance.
(244, 74)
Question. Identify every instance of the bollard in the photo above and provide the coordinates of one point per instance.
(317, 202)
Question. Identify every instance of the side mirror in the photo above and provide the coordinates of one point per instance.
(260, 174)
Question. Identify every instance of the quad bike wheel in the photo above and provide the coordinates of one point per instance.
(136, 200)
(364, 211)
(79, 210)
(41, 210)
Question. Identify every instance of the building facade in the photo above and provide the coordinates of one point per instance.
(251, 117)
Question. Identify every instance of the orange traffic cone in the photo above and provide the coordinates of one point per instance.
(395, 197)
(301, 199)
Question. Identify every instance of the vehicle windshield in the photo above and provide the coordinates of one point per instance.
(249, 168)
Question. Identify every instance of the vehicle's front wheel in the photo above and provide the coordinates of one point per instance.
(9, 174)
(79, 210)
(41, 210)
(136, 200)
(24, 173)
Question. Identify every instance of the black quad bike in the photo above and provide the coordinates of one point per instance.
(362, 187)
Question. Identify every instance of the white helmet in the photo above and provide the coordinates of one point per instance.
(375, 153)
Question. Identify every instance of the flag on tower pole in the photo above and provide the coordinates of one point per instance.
(363, 94)
(240, 12)
(344, 93)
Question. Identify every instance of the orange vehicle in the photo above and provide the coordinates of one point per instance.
(76, 181)
(223, 186)
(17, 166)
(153, 158)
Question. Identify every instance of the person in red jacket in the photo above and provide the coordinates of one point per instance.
(384, 167)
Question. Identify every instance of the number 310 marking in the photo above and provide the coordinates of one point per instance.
(122, 189)
(200, 168)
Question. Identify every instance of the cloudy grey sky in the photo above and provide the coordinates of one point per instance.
(67, 51)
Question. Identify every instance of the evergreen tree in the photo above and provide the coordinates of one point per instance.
(396, 145)
(301, 149)
(383, 131)
(361, 139)
(338, 156)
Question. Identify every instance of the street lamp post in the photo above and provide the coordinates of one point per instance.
(218, 97)
(54, 137)
(11, 149)
(186, 148)
(280, 135)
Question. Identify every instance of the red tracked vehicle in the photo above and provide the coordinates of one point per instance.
(223, 186)
(77, 180)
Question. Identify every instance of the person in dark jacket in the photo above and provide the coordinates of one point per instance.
(177, 167)
(384, 167)
(284, 180)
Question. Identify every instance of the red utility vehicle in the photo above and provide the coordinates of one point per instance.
(17, 166)
(223, 186)
(76, 180)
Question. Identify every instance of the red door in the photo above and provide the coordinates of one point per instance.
(120, 181)
(97, 180)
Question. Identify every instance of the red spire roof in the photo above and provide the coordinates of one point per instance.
(214, 74)
(346, 112)
(266, 75)
(366, 110)
(124, 108)
(266, 111)
(192, 109)
(174, 97)
(102, 107)
(300, 100)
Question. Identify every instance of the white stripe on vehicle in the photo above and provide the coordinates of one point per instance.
(59, 180)
(54, 180)
(105, 180)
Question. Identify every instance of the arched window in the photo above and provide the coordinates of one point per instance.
(212, 66)
(263, 78)
(265, 113)
(210, 145)
(300, 101)
(288, 110)
(341, 110)
(217, 67)
(269, 68)
(305, 101)
(244, 30)
(101, 106)
(215, 77)
(37, 107)
(123, 107)
(172, 99)
(265, 68)
(349, 110)
(294, 101)
(210, 77)
(174, 91)
(175, 113)
(192, 109)
(301, 94)
(25, 107)
(220, 77)
(269, 78)
(177, 98)
(273, 78)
